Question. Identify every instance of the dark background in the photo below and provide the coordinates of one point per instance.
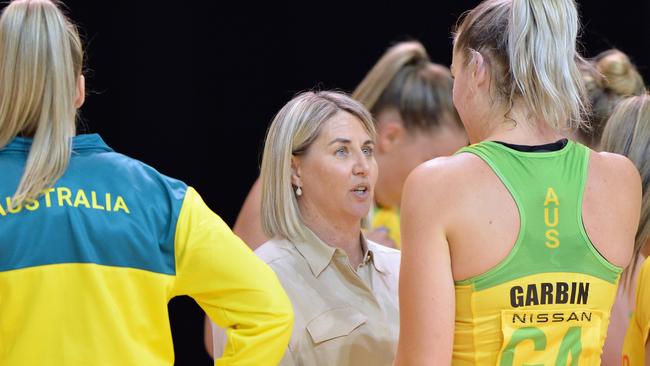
(189, 87)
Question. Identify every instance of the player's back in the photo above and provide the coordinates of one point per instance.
(86, 270)
(532, 283)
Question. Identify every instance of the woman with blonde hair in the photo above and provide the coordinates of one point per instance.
(513, 247)
(609, 77)
(410, 99)
(628, 133)
(318, 178)
(94, 244)
(613, 79)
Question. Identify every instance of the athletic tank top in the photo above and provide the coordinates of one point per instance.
(548, 302)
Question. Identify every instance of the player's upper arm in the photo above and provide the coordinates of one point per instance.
(614, 189)
(427, 304)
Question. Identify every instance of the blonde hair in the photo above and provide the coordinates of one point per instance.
(405, 79)
(627, 132)
(608, 78)
(530, 47)
(41, 61)
(296, 126)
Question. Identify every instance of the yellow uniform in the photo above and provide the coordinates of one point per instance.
(87, 270)
(637, 332)
(548, 302)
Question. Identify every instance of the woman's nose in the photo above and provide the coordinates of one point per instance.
(361, 165)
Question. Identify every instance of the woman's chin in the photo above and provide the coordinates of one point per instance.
(357, 211)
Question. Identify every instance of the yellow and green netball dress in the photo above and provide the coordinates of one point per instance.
(639, 329)
(548, 302)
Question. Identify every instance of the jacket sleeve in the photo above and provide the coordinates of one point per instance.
(237, 290)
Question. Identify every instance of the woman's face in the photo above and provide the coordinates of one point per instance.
(338, 172)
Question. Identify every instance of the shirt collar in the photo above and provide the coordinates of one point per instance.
(372, 255)
(319, 255)
(86, 142)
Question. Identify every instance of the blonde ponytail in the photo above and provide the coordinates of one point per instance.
(530, 46)
(41, 61)
(542, 49)
(373, 85)
(405, 79)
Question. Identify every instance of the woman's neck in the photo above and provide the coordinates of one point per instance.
(515, 127)
(340, 233)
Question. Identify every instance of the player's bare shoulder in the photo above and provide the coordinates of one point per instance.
(447, 169)
(609, 171)
(444, 180)
(612, 205)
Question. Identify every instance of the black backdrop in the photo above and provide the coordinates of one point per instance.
(190, 86)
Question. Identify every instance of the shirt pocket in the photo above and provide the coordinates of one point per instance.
(335, 323)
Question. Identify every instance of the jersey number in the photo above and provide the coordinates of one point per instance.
(571, 345)
(551, 337)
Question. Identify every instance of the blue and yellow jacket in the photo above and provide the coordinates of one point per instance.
(87, 270)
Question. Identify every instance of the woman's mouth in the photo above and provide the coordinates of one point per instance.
(361, 191)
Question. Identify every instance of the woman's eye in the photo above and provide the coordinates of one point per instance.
(367, 150)
(341, 151)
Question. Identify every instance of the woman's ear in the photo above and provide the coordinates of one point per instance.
(295, 171)
(479, 68)
(80, 97)
(389, 132)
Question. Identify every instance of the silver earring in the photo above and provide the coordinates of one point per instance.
(298, 191)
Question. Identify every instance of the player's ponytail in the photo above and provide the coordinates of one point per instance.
(530, 47)
(40, 65)
(542, 52)
(406, 80)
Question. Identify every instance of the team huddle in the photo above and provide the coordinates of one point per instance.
(494, 212)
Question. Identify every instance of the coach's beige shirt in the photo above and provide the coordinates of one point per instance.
(343, 316)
